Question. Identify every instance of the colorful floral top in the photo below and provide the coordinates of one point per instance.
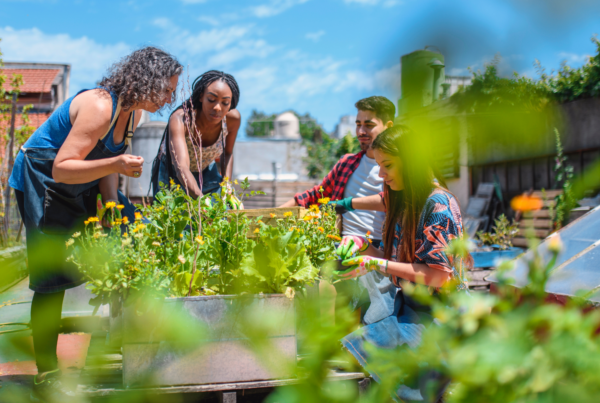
(207, 154)
(440, 223)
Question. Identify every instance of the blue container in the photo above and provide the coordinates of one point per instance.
(493, 258)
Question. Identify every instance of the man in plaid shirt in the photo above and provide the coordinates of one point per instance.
(357, 176)
(375, 114)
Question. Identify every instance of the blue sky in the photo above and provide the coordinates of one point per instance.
(316, 56)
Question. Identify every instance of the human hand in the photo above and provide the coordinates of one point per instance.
(129, 165)
(351, 244)
(359, 266)
(234, 203)
(342, 206)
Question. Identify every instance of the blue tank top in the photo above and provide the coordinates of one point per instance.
(53, 133)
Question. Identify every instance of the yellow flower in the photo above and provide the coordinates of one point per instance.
(172, 182)
(325, 215)
(324, 200)
(86, 222)
(181, 235)
(308, 217)
(120, 206)
(178, 187)
(138, 216)
(273, 215)
(77, 235)
(260, 221)
(226, 179)
(160, 208)
(288, 214)
(125, 234)
(256, 231)
(199, 240)
(93, 219)
(314, 208)
(321, 189)
(119, 221)
(321, 229)
(235, 182)
(181, 259)
(111, 204)
(141, 226)
(70, 242)
(125, 220)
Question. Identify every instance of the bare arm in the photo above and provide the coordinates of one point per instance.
(234, 120)
(109, 186)
(290, 203)
(419, 273)
(415, 272)
(180, 156)
(373, 203)
(90, 114)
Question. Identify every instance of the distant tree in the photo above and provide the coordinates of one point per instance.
(260, 124)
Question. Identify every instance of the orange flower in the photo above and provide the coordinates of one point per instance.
(273, 215)
(526, 203)
(334, 237)
(321, 229)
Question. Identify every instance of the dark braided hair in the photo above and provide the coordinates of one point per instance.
(142, 76)
(203, 81)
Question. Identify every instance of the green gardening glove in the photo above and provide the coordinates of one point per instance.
(351, 244)
(342, 206)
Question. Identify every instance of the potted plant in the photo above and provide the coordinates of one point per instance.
(496, 245)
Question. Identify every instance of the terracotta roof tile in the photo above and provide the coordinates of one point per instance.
(34, 80)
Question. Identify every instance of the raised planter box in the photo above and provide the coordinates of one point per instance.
(493, 258)
(160, 350)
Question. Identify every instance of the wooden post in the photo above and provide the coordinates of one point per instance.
(10, 148)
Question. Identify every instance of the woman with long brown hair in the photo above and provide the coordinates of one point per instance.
(422, 218)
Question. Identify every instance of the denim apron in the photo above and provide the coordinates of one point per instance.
(54, 211)
(163, 169)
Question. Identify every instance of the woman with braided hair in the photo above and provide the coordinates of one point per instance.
(203, 128)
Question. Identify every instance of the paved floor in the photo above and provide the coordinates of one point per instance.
(17, 361)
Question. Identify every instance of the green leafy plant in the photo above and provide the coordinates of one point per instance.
(565, 201)
(180, 247)
(503, 233)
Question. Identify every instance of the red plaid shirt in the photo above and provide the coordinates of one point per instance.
(334, 183)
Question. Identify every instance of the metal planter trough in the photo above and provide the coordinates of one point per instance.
(205, 340)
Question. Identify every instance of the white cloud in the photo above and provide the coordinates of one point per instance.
(385, 3)
(209, 20)
(89, 59)
(574, 58)
(274, 7)
(315, 36)
(220, 47)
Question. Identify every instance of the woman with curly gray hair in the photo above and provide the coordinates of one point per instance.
(77, 154)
